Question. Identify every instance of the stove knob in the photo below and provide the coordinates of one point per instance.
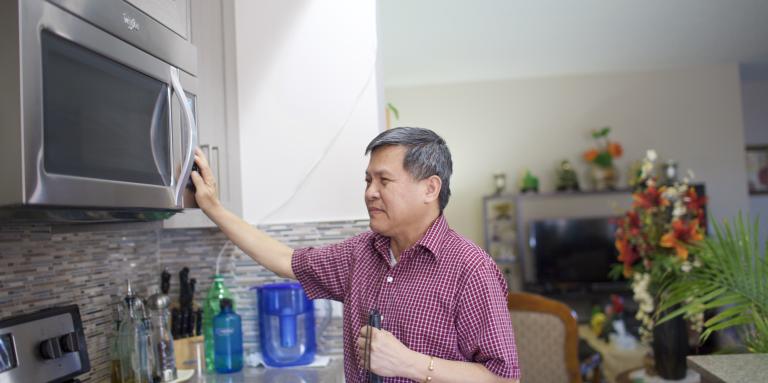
(69, 343)
(50, 349)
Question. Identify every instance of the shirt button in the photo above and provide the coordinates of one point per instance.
(390, 279)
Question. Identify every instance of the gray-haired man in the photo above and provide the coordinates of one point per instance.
(442, 298)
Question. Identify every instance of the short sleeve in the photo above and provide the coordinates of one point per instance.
(324, 271)
(485, 333)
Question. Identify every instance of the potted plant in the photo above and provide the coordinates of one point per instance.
(654, 239)
(603, 171)
(732, 279)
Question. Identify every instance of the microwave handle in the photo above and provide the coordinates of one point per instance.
(189, 159)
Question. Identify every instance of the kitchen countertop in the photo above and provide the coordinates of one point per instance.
(333, 373)
(730, 367)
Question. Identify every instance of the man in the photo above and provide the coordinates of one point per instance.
(442, 299)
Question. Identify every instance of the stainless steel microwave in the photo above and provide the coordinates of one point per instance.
(97, 112)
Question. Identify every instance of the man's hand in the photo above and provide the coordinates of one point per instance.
(388, 356)
(205, 183)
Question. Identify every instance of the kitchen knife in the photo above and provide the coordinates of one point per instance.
(190, 325)
(198, 322)
(176, 323)
(183, 287)
(165, 282)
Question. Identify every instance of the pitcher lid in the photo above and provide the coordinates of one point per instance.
(279, 286)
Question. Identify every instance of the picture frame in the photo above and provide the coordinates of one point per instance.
(757, 169)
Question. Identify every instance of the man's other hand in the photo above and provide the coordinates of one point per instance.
(388, 356)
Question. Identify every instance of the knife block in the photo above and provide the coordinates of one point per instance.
(189, 352)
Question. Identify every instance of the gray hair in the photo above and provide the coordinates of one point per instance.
(426, 155)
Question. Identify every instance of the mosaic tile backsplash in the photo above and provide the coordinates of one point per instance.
(41, 267)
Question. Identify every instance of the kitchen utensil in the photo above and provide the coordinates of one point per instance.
(164, 366)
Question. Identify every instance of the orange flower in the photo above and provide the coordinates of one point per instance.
(590, 155)
(695, 203)
(627, 255)
(650, 198)
(615, 149)
(682, 235)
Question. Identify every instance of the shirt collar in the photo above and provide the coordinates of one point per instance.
(430, 241)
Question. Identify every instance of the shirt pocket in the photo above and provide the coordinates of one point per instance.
(427, 319)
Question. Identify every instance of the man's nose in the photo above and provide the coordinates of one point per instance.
(371, 192)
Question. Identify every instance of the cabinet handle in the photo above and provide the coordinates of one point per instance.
(215, 150)
(207, 151)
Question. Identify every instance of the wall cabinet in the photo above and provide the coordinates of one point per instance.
(217, 132)
(310, 101)
(298, 85)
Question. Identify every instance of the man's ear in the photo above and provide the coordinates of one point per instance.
(434, 184)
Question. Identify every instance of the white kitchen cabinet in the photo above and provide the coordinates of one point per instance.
(211, 27)
(310, 100)
(291, 93)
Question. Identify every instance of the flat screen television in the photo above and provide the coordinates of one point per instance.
(572, 252)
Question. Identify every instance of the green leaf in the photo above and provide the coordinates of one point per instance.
(394, 110)
(733, 279)
(604, 159)
(602, 132)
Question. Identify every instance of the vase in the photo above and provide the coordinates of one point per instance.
(670, 348)
(604, 178)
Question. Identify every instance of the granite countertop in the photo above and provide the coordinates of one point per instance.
(730, 368)
(333, 373)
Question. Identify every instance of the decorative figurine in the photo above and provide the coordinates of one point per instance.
(669, 172)
(500, 182)
(530, 183)
(566, 177)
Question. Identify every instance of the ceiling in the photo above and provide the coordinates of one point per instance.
(444, 41)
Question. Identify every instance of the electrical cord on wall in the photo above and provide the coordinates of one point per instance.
(325, 151)
(221, 252)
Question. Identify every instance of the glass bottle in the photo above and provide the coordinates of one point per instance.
(133, 345)
(228, 339)
(211, 308)
(114, 343)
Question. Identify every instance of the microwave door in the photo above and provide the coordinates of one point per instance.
(185, 141)
(108, 146)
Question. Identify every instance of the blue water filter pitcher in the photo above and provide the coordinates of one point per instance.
(286, 325)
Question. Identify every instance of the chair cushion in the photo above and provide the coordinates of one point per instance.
(540, 342)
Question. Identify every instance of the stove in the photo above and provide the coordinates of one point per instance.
(45, 346)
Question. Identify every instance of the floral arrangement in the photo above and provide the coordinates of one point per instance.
(655, 239)
(605, 151)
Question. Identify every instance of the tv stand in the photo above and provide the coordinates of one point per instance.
(582, 299)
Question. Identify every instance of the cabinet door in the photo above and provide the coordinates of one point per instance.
(208, 36)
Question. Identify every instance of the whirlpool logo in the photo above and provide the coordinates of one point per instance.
(132, 24)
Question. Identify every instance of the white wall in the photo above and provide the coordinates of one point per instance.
(307, 90)
(692, 115)
(754, 88)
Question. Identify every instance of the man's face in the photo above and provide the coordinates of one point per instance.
(394, 199)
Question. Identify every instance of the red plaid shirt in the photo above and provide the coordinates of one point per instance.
(445, 297)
